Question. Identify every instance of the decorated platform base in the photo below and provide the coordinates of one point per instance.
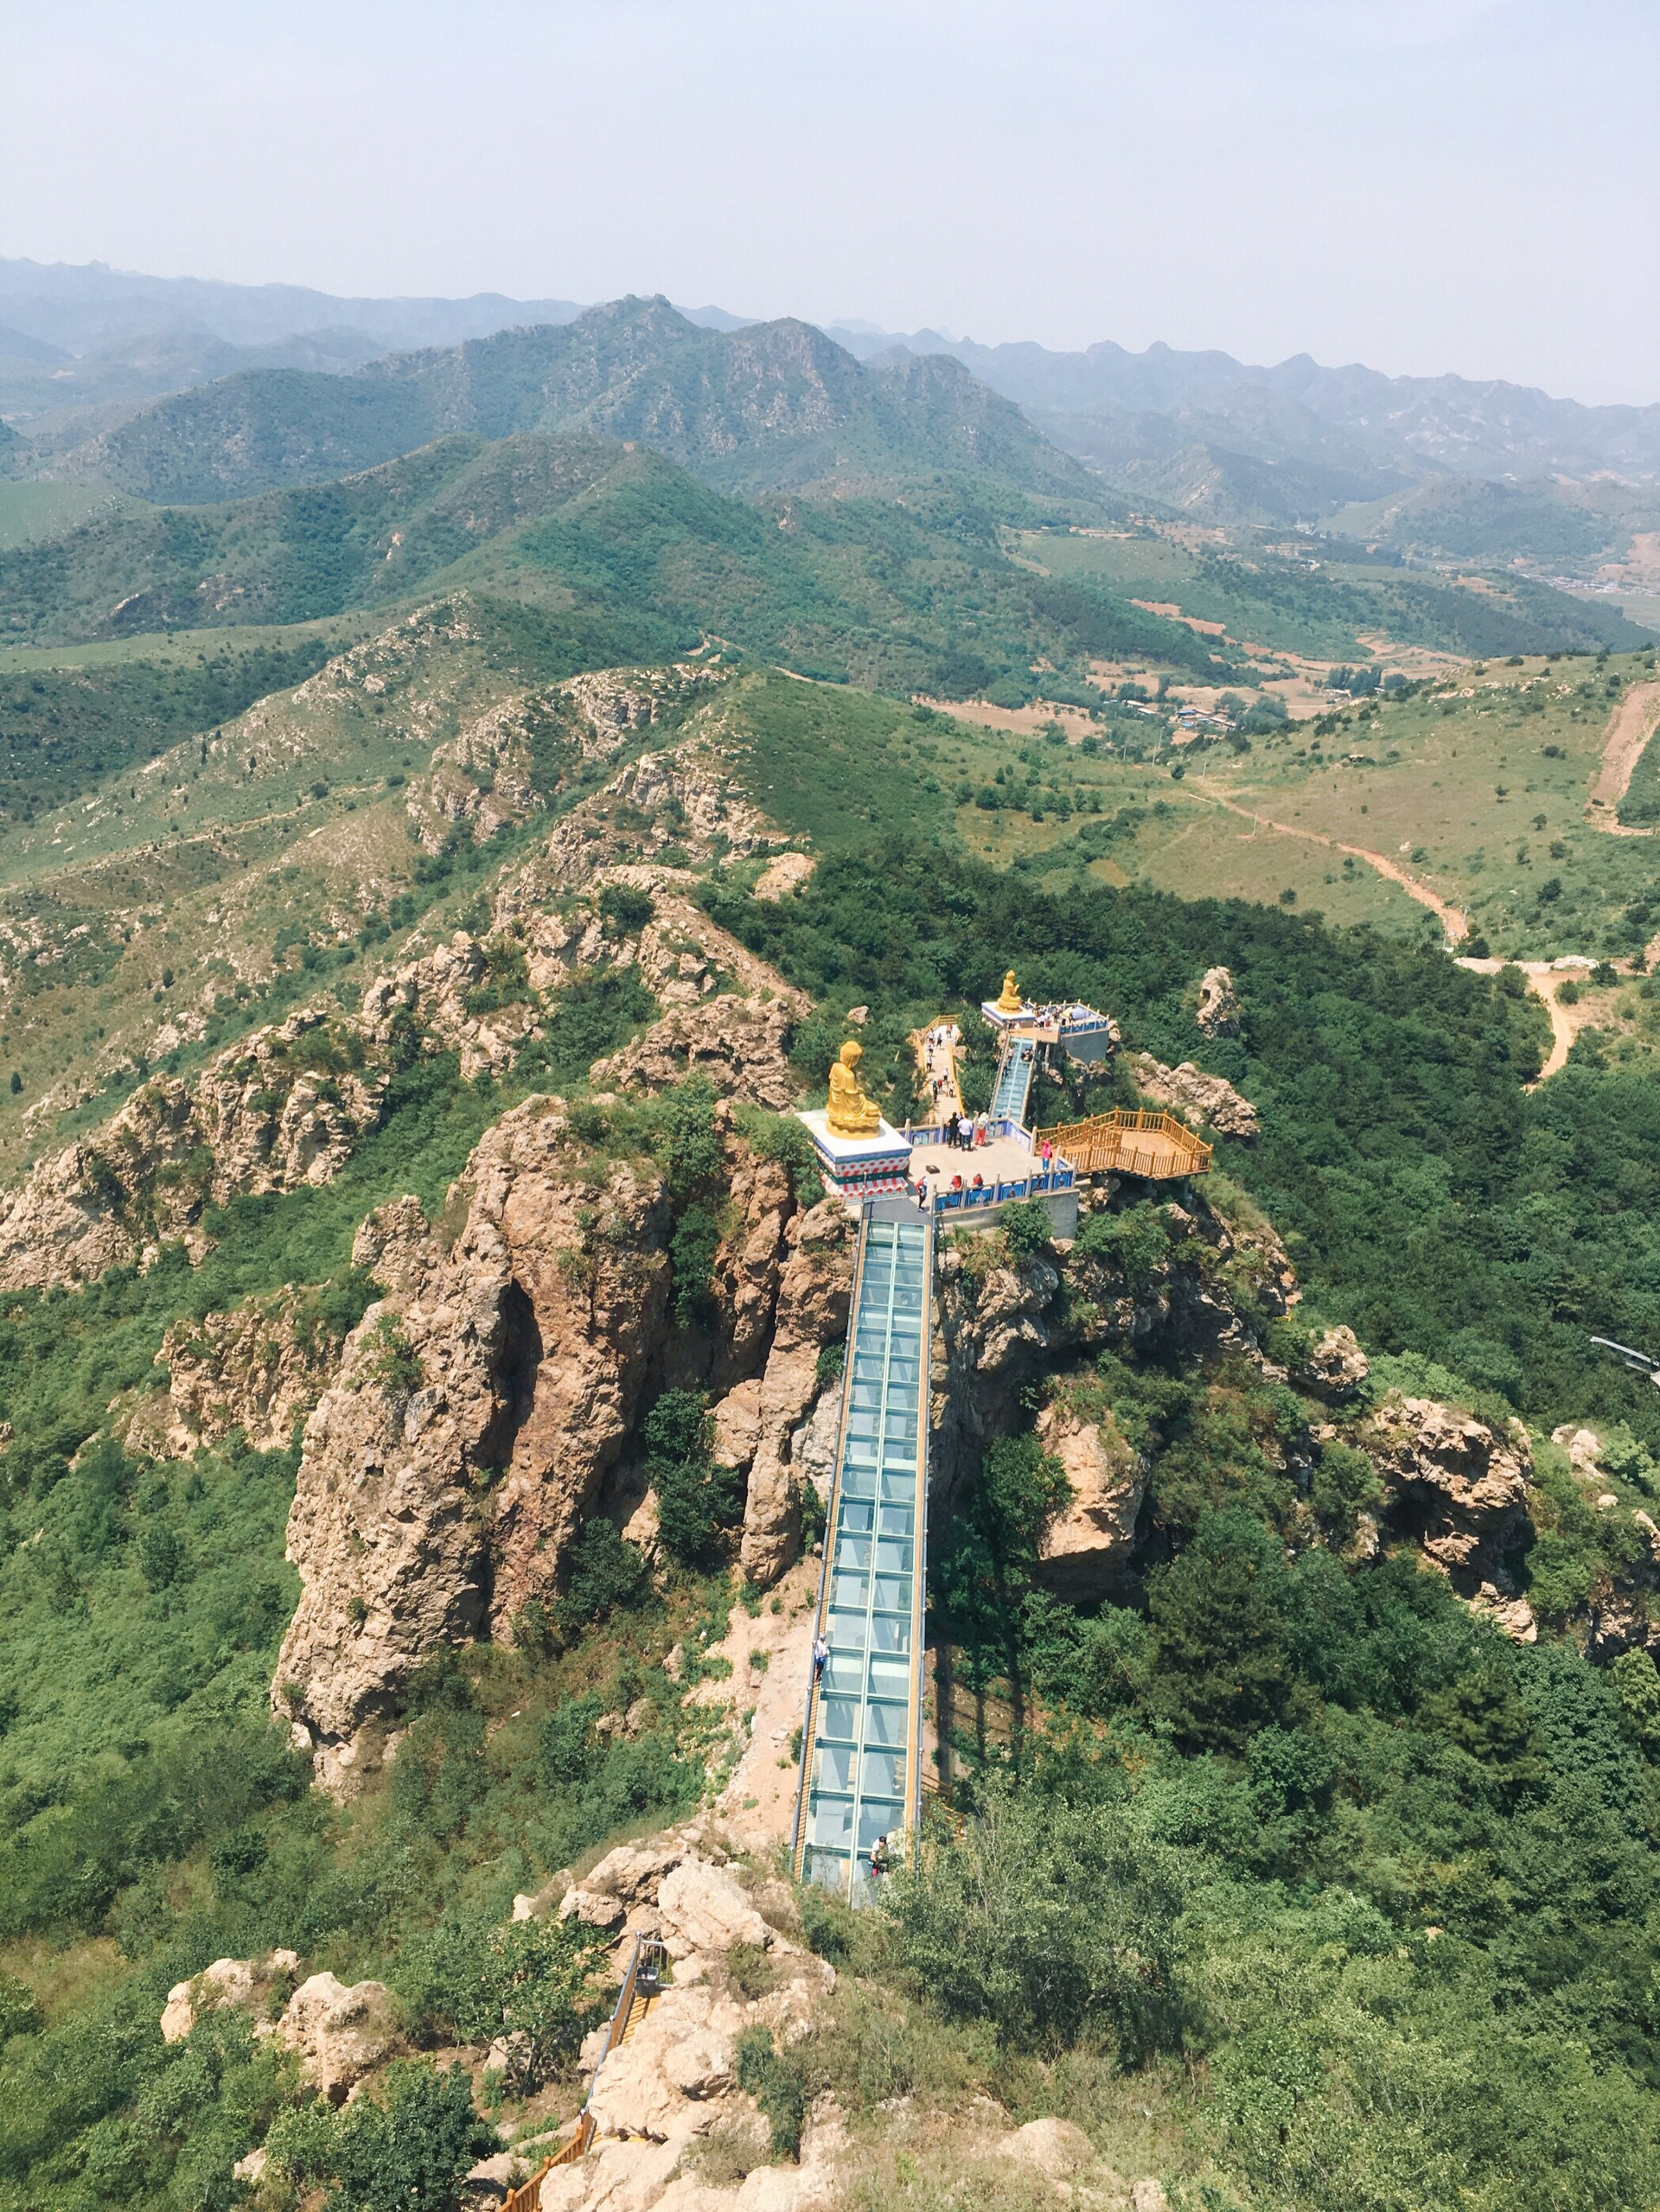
(857, 1167)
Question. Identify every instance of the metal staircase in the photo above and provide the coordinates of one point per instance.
(1013, 1080)
(643, 1985)
(861, 1735)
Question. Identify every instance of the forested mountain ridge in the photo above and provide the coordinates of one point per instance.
(771, 406)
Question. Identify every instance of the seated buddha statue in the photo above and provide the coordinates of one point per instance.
(1011, 1002)
(851, 1111)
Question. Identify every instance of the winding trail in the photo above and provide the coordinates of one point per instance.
(1631, 726)
(1544, 981)
(1451, 920)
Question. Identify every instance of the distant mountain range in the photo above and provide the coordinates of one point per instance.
(93, 363)
(771, 406)
(1108, 406)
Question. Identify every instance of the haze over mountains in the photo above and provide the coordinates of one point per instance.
(91, 361)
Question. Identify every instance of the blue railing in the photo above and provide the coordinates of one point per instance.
(970, 1198)
(932, 1132)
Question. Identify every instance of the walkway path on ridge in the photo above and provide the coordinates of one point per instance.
(938, 1062)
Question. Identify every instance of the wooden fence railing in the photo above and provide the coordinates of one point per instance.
(1149, 1143)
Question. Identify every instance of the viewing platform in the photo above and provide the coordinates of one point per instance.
(1081, 1032)
(1153, 1144)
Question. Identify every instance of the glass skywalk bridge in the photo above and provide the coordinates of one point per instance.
(861, 1745)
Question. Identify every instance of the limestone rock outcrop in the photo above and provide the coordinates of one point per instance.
(250, 1983)
(684, 797)
(810, 1314)
(439, 998)
(1335, 1368)
(280, 1112)
(1455, 1483)
(261, 1367)
(498, 767)
(1188, 1091)
(1002, 1323)
(1217, 1012)
(339, 2034)
(785, 871)
(476, 1412)
(488, 1403)
(740, 1044)
(1088, 1545)
(704, 1910)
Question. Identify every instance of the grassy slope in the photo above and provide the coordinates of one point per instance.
(1264, 597)
(1456, 786)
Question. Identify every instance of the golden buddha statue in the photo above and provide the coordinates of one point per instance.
(1011, 1002)
(851, 1113)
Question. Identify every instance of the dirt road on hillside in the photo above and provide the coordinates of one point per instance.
(1545, 981)
(1451, 920)
(1629, 727)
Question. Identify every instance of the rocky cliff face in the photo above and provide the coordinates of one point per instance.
(1188, 1091)
(487, 1405)
(476, 1410)
(280, 1112)
(1456, 1484)
(1005, 1324)
(260, 1368)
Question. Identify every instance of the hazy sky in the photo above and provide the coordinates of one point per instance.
(1420, 184)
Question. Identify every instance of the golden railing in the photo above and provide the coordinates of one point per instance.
(1149, 1143)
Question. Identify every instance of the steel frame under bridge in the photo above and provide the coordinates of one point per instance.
(862, 1736)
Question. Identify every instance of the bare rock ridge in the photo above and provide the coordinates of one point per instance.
(260, 1368)
(283, 1110)
(286, 1107)
(1188, 1091)
(489, 1402)
(485, 778)
(675, 2082)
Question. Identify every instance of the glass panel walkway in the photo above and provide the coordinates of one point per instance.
(1013, 1081)
(861, 1746)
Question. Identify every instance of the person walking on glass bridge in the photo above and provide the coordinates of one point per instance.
(820, 1657)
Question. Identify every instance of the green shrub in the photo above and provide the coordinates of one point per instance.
(624, 910)
(391, 1361)
(777, 2081)
(1027, 1228)
(1055, 1924)
(693, 1244)
(1135, 1241)
(1218, 1613)
(605, 1574)
(781, 1136)
(1345, 1484)
(698, 1502)
(413, 2149)
(472, 1979)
